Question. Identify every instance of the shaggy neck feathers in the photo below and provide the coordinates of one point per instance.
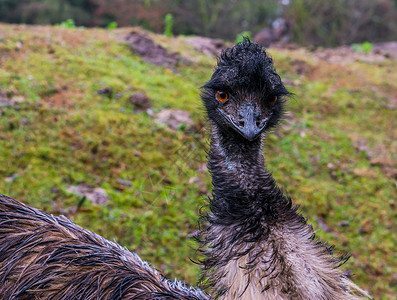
(242, 186)
(256, 244)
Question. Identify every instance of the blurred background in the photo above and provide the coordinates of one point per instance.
(101, 119)
(306, 22)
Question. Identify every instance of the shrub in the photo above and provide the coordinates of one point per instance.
(69, 23)
(112, 25)
(365, 47)
(169, 23)
(240, 37)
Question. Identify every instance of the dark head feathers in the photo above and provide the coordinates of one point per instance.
(247, 65)
(245, 73)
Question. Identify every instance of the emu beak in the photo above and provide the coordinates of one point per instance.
(248, 123)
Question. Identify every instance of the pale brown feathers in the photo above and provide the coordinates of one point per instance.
(47, 257)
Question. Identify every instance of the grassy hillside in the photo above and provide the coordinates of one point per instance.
(335, 154)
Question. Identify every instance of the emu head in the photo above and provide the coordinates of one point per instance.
(245, 94)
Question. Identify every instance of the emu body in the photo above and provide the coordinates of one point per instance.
(47, 257)
(257, 245)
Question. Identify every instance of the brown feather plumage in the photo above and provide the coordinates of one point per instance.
(47, 257)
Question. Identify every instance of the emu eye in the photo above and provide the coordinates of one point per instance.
(273, 101)
(222, 96)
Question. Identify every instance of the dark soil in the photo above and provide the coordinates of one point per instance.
(150, 51)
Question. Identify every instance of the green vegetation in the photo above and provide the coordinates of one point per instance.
(169, 23)
(335, 154)
(111, 25)
(240, 37)
(365, 47)
(69, 24)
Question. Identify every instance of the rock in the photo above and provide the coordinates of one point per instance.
(345, 54)
(331, 166)
(118, 95)
(278, 33)
(300, 67)
(344, 224)
(95, 195)
(323, 225)
(108, 92)
(174, 118)
(210, 47)
(11, 178)
(200, 183)
(18, 45)
(390, 106)
(379, 161)
(137, 153)
(294, 82)
(124, 182)
(361, 145)
(387, 49)
(55, 190)
(140, 101)
(7, 98)
(202, 168)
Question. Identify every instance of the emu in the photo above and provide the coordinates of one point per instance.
(47, 257)
(256, 244)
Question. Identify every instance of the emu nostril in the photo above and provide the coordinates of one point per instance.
(241, 123)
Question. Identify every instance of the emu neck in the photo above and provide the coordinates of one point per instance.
(256, 244)
(231, 159)
(241, 183)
